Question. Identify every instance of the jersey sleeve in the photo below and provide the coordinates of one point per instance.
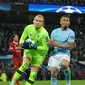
(44, 40)
(24, 35)
(11, 48)
(71, 37)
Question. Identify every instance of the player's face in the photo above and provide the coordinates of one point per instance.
(65, 22)
(16, 38)
(38, 21)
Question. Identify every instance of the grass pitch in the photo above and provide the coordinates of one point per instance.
(61, 82)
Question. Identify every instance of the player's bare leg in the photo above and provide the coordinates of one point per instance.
(65, 66)
(54, 73)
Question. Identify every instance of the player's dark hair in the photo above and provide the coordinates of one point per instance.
(66, 16)
(11, 39)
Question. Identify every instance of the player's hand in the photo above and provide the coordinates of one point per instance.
(19, 48)
(28, 44)
(52, 43)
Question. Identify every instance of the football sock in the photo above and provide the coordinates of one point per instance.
(31, 78)
(67, 74)
(54, 81)
(19, 72)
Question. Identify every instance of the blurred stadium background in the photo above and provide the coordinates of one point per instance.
(15, 15)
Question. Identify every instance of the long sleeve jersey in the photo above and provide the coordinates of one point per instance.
(39, 36)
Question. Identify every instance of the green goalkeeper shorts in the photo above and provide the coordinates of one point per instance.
(35, 56)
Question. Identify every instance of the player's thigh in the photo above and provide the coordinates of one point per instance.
(54, 66)
(65, 62)
(15, 63)
(26, 60)
(54, 71)
(37, 61)
(54, 62)
(20, 62)
(27, 57)
(28, 54)
(35, 68)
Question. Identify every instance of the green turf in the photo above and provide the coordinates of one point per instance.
(74, 82)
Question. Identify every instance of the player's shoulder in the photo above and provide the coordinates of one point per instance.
(44, 30)
(71, 31)
(11, 43)
(56, 30)
(29, 26)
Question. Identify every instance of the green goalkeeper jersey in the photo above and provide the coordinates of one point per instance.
(39, 36)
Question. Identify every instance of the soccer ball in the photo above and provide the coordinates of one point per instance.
(30, 40)
(68, 9)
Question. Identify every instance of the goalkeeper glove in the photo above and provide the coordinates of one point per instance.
(28, 45)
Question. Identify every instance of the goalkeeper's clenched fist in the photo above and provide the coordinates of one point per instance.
(28, 44)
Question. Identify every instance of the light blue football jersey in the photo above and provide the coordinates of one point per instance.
(62, 37)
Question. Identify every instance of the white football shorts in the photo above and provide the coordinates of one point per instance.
(55, 60)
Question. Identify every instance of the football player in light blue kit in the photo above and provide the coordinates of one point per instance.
(62, 39)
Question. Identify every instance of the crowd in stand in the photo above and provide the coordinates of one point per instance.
(57, 2)
(6, 32)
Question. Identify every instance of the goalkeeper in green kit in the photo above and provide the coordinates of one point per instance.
(34, 41)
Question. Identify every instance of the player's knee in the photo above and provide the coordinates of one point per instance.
(54, 72)
(53, 75)
(35, 68)
(23, 67)
(64, 65)
(16, 67)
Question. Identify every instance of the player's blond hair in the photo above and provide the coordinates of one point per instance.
(41, 16)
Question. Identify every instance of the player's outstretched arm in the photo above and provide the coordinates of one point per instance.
(70, 45)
